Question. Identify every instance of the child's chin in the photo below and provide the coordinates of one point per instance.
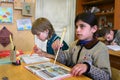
(43, 40)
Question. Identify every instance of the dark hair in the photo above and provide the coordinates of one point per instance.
(42, 24)
(105, 30)
(88, 17)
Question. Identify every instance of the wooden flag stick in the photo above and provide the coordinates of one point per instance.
(11, 41)
(61, 40)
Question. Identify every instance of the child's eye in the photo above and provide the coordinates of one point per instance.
(82, 26)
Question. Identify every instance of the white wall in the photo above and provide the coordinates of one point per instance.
(61, 13)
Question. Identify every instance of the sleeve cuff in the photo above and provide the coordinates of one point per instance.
(88, 66)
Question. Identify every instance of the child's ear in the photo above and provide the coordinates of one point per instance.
(94, 28)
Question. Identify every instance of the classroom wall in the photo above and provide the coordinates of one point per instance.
(24, 40)
(61, 14)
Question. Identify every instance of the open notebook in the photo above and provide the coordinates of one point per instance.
(49, 71)
(114, 47)
(34, 58)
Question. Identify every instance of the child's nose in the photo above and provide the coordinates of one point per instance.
(78, 29)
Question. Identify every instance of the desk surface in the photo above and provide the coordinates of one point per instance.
(114, 53)
(20, 73)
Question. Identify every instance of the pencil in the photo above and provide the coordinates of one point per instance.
(32, 52)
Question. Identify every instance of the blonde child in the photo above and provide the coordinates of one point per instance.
(44, 30)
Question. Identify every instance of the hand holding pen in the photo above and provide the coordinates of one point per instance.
(37, 50)
(113, 42)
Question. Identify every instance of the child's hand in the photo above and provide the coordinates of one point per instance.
(37, 50)
(56, 44)
(79, 69)
(113, 43)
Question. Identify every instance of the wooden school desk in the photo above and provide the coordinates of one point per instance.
(115, 59)
(115, 64)
(20, 73)
(114, 56)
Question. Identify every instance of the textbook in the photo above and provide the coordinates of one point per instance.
(114, 47)
(34, 58)
(49, 71)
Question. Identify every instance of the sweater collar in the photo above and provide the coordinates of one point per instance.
(89, 44)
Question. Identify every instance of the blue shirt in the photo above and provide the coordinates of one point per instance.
(49, 44)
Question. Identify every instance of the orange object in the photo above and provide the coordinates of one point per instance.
(32, 52)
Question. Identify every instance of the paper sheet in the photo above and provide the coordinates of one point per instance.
(114, 47)
(34, 58)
